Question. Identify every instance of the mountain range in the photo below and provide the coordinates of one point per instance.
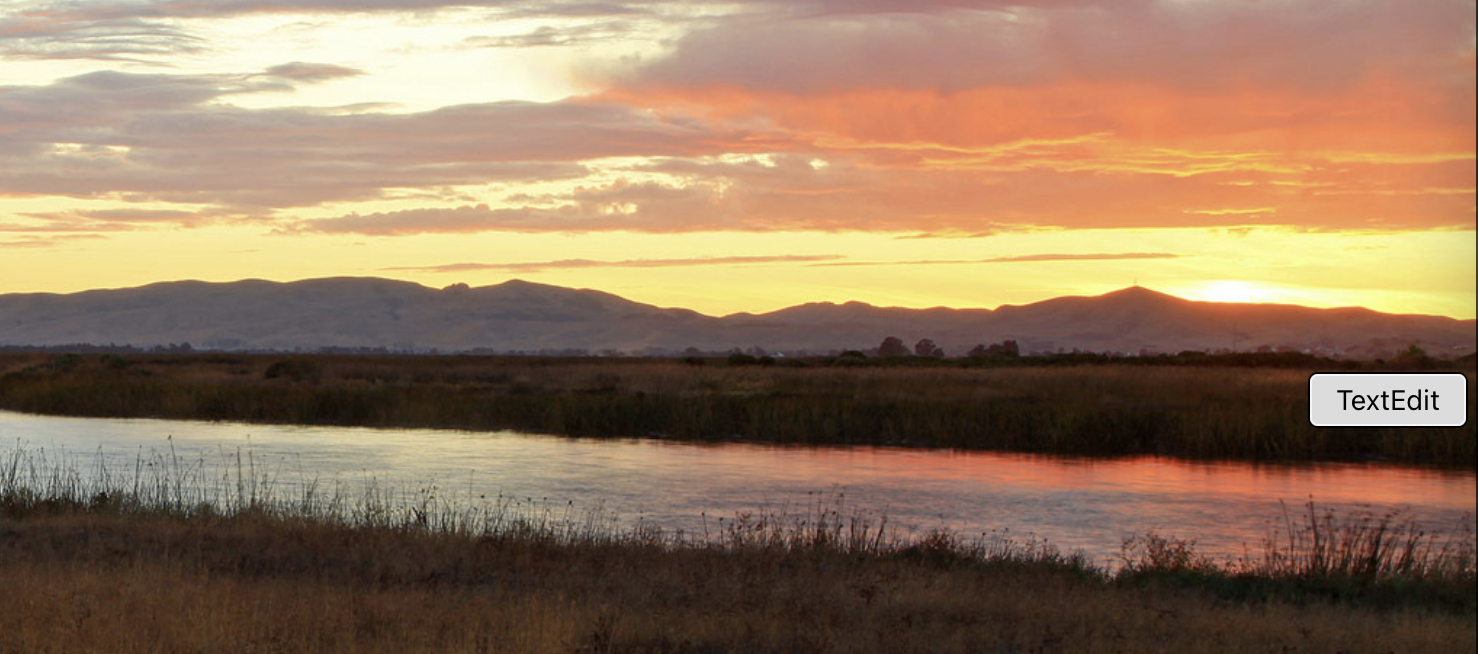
(519, 316)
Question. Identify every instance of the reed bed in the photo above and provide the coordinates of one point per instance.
(1315, 543)
(168, 555)
(1117, 409)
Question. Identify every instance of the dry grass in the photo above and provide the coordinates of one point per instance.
(1189, 411)
(148, 560)
(166, 584)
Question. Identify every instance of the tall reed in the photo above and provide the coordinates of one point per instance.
(1197, 412)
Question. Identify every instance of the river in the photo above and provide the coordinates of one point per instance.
(1086, 504)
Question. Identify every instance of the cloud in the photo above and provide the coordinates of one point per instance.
(546, 36)
(1097, 256)
(699, 194)
(59, 227)
(309, 72)
(566, 264)
(951, 234)
(933, 118)
(477, 218)
(76, 10)
(160, 138)
(830, 53)
(952, 46)
(1028, 258)
(101, 219)
(645, 207)
(794, 192)
(155, 31)
(811, 45)
(44, 35)
(54, 240)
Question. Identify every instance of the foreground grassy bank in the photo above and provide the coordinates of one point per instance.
(1202, 411)
(154, 570)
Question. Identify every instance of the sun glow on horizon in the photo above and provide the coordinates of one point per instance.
(1246, 291)
(1231, 290)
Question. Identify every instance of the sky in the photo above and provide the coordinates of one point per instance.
(750, 155)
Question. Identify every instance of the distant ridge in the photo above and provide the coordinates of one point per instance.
(521, 316)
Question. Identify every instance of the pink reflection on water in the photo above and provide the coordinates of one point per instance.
(1075, 503)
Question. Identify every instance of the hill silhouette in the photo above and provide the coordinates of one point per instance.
(523, 316)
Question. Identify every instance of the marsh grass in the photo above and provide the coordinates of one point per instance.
(1379, 560)
(1366, 546)
(164, 554)
(1315, 543)
(1187, 411)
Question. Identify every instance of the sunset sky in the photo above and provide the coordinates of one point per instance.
(749, 155)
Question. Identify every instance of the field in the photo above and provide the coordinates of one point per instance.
(144, 560)
(146, 565)
(1216, 409)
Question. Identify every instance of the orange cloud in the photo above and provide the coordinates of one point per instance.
(1378, 154)
(1380, 116)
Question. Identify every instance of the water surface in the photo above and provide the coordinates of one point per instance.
(1075, 503)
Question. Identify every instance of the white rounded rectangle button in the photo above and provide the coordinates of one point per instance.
(1438, 399)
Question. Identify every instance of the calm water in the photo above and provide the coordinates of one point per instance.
(1075, 503)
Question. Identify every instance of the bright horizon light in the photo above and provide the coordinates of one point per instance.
(1227, 290)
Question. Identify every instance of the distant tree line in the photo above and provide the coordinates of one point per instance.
(891, 352)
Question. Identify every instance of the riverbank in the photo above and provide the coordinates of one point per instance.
(1193, 411)
(133, 567)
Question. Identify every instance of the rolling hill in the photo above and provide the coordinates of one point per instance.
(527, 317)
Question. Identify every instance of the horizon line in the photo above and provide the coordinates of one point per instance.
(519, 280)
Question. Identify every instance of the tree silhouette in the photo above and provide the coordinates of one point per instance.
(927, 348)
(892, 347)
(1003, 349)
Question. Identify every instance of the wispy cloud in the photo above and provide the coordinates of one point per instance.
(566, 264)
(1095, 256)
(113, 219)
(45, 35)
(52, 240)
(546, 36)
(1026, 258)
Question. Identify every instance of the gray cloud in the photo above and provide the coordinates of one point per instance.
(38, 35)
(835, 52)
(159, 137)
(830, 45)
(805, 45)
(152, 31)
(309, 72)
(162, 9)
